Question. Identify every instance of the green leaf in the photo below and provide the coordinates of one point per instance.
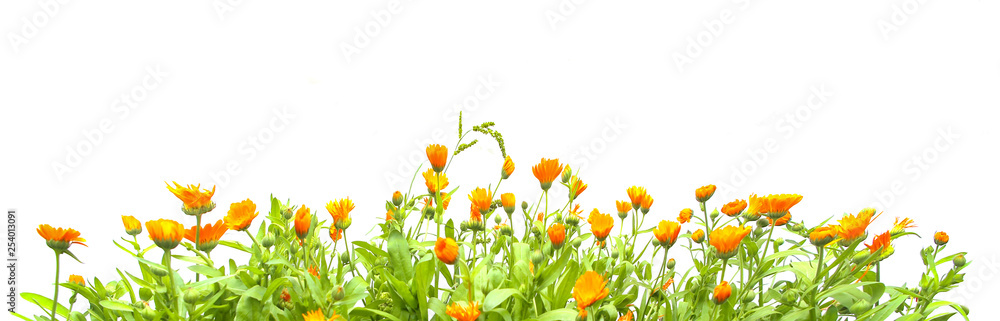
(399, 256)
(44, 303)
(378, 312)
(559, 314)
(116, 305)
(496, 297)
(205, 270)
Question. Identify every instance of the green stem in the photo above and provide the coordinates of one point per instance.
(170, 275)
(197, 239)
(55, 296)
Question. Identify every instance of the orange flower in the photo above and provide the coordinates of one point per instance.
(627, 316)
(666, 233)
(507, 169)
(481, 199)
(209, 236)
(78, 280)
(313, 271)
(852, 227)
(698, 236)
(463, 313)
(667, 285)
(336, 234)
(541, 216)
(600, 224)
(721, 292)
(303, 220)
(59, 239)
(446, 250)
(445, 200)
(285, 295)
(781, 221)
(240, 215)
(589, 288)
(435, 181)
(197, 201)
(546, 171)
(317, 315)
(901, 225)
(340, 210)
(165, 233)
(576, 187)
(557, 234)
(132, 225)
(940, 238)
(646, 203)
(734, 208)
(438, 156)
(702, 194)
(881, 242)
(507, 200)
(823, 235)
(774, 205)
(388, 215)
(636, 194)
(397, 198)
(623, 207)
(474, 213)
(685, 215)
(727, 240)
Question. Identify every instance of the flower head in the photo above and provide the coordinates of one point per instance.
(698, 236)
(576, 187)
(469, 312)
(208, 237)
(774, 205)
(317, 315)
(600, 224)
(435, 181)
(589, 288)
(702, 194)
(685, 215)
(940, 238)
(438, 156)
(781, 221)
(557, 235)
(881, 245)
(508, 202)
(507, 169)
(336, 234)
(546, 171)
(636, 194)
(666, 233)
(900, 226)
(481, 199)
(727, 240)
(446, 250)
(303, 222)
(340, 211)
(196, 200)
(734, 208)
(853, 227)
(628, 316)
(240, 215)
(165, 233)
(823, 235)
(721, 292)
(132, 225)
(59, 239)
(76, 279)
(646, 203)
(623, 208)
(313, 271)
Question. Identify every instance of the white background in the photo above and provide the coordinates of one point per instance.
(850, 103)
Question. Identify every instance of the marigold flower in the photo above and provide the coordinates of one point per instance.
(313, 271)
(702, 194)
(721, 292)
(340, 210)
(557, 235)
(781, 221)
(685, 215)
(636, 194)
(474, 213)
(646, 203)
(667, 285)
(481, 199)
(165, 233)
(508, 202)
(880, 242)
(59, 239)
(317, 315)
(78, 280)
(666, 233)
(589, 288)
(853, 227)
(546, 171)
(240, 215)
(774, 205)
(627, 316)
(541, 216)
(940, 238)
(303, 222)
(823, 235)
(132, 226)
(446, 250)
(196, 200)
(463, 313)
(507, 169)
(435, 181)
(899, 226)
(209, 236)
(600, 224)
(623, 208)
(576, 187)
(388, 215)
(336, 234)
(438, 156)
(698, 236)
(727, 240)
(734, 208)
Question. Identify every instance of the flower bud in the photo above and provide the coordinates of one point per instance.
(338, 294)
(655, 242)
(861, 257)
(286, 213)
(536, 230)
(148, 313)
(576, 242)
(158, 271)
(524, 205)
(860, 307)
(572, 220)
(294, 248)
(496, 219)
(537, 257)
(566, 174)
(428, 212)
(268, 240)
(779, 242)
(506, 230)
(345, 258)
(795, 227)
(145, 294)
(397, 198)
(714, 214)
(614, 254)
(757, 232)
(191, 296)
(671, 263)
(959, 260)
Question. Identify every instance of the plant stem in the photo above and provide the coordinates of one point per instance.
(55, 296)
(197, 240)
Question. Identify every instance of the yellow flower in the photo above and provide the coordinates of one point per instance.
(197, 201)
(727, 240)
(59, 239)
(463, 313)
(881, 242)
(438, 156)
(734, 208)
(240, 215)
(901, 225)
(78, 280)
(636, 194)
(336, 234)
(774, 205)
(646, 203)
(698, 236)
(481, 199)
(165, 233)
(823, 235)
(589, 288)
(132, 225)
(940, 238)
(685, 215)
(446, 250)
(853, 227)
(507, 169)
(557, 235)
(340, 211)
(546, 171)
(721, 292)
(666, 233)
(317, 315)
(600, 224)
(702, 194)
(303, 221)
(627, 316)
(623, 207)
(576, 187)
(781, 221)
(313, 271)
(208, 237)
(435, 181)
(507, 200)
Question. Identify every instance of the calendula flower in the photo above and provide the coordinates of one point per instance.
(734, 208)
(702, 194)
(445, 200)
(481, 199)
(285, 295)
(853, 227)
(781, 221)
(774, 205)
(59, 239)
(636, 194)
(721, 292)
(303, 220)
(582, 315)
(508, 202)
(646, 203)
(627, 316)
(623, 208)
(685, 215)
(313, 271)
(823, 235)
(340, 211)
(435, 181)
(317, 315)
(666, 233)
(463, 313)
(901, 225)
(438, 156)
(881, 245)
(698, 236)
(336, 234)
(507, 169)
(541, 216)
(474, 213)
(940, 238)
(78, 280)
(165, 233)
(388, 215)
(667, 284)
(557, 235)
(446, 250)
(727, 240)
(589, 288)
(209, 236)
(546, 171)
(576, 187)
(600, 224)
(240, 215)
(196, 200)
(132, 225)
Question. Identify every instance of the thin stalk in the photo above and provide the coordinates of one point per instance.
(55, 296)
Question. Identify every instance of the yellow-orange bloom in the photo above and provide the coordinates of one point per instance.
(435, 181)
(623, 207)
(208, 237)
(901, 225)
(589, 288)
(474, 213)
(240, 215)
(823, 235)
(507, 169)
(132, 225)
(940, 238)
(636, 194)
(666, 233)
(734, 208)
(336, 234)
(600, 224)
(557, 234)
(727, 240)
(627, 316)
(507, 201)
(313, 271)
(446, 250)
(481, 199)
(853, 227)
(685, 215)
(721, 292)
(646, 203)
(698, 236)
(165, 233)
(781, 221)
(438, 156)
(667, 285)
(78, 280)
(702, 194)
(317, 315)
(463, 313)
(196, 200)
(576, 187)
(881, 242)
(59, 239)
(546, 171)
(340, 210)
(303, 221)
(774, 205)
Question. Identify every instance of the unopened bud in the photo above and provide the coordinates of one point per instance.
(338, 294)
(524, 205)
(537, 257)
(145, 294)
(715, 213)
(566, 174)
(959, 260)
(397, 198)
(671, 263)
(268, 240)
(191, 296)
